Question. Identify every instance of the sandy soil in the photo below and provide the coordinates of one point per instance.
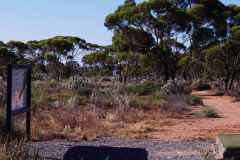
(203, 128)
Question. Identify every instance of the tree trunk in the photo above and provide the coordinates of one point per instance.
(232, 80)
(166, 73)
(226, 81)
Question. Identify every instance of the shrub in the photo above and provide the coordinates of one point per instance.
(85, 91)
(2, 119)
(38, 95)
(235, 91)
(200, 85)
(194, 100)
(3, 95)
(81, 86)
(174, 105)
(173, 87)
(78, 83)
(158, 95)
(53, 83)
(145, 88)
(43, 95)
(209, 112)
(219, 87)
(76, 101)
(137, 103)
(107, 98)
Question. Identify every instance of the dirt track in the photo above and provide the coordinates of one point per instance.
(204, 128)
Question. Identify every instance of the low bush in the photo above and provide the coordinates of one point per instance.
(82, 86)
(77, 100)
(200, 85)
(174, 87)
(53, 83)
(145, 88)
(194, 100)
(218, 87)
(3, 93)
(85, 91)
(174, 105)
(2, 119)
(158, 95)
(137, 103)
(235, 91)
(209, 112)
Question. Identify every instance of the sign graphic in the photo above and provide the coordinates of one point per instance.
(19, 90)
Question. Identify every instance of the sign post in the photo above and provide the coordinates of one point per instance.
(19, 95)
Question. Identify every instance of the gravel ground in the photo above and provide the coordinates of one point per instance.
(157, 150)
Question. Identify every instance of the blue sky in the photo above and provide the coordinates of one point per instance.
(38, 19)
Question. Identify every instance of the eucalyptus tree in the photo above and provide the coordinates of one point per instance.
(99, 62)
(19, 49)
(129, 44)
(157, 24)
(58, 55)
(5, 59)
(224, 58)
(208, 26)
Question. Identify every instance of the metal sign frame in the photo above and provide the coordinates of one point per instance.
(26, 109)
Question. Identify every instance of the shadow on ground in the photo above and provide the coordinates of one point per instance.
(105, 153)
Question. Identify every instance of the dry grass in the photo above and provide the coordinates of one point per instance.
(87, 123)
(59, 112)
(16, 150)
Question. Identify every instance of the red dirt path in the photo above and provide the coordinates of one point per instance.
(203, 128)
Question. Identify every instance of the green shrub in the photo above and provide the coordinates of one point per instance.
(194, 100)
(85, 91)
(3, 94)
(2, 119)
(209, 112)
(77, 100)
(175, 87)
(53, 83)
(137, 103)
(174, 105)
(43, 95)
(158, 96)
(146, 88)
(37, 96)
(200, 85)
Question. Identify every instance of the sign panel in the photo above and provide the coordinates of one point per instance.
(19, 95)
(19, 90)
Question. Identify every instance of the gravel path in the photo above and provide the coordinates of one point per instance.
(157, 150)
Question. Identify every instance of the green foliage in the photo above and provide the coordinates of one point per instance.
(56, 94)
(137, 103)
(146, 28)
(146, 88)
(201, 85)
(209, 112)
(175, 87)
(2, 119)
(76, 101)
(194, 100)
(85, 91)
